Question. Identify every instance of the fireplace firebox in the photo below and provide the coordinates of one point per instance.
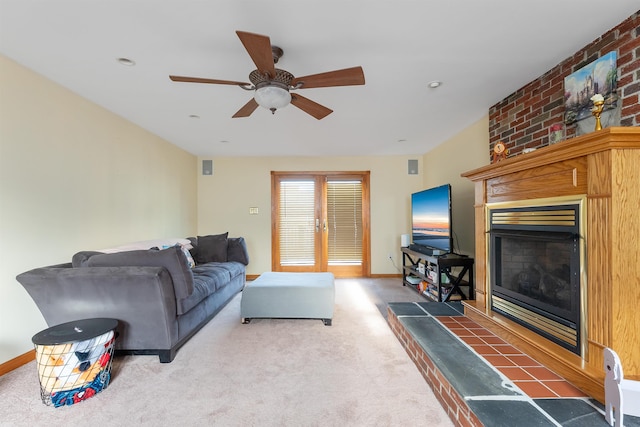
(536, 254)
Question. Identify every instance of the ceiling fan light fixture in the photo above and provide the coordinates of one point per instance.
(271, 86)
(272, 96)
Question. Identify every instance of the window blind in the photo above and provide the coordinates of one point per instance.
(344, 216)
(297, 222)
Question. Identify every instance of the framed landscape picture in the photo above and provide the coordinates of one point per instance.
(600, 76)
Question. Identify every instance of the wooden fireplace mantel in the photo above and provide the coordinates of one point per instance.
(604, 166)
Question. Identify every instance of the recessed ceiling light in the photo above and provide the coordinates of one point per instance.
(434, 84)
(126, 61)
(194, 116)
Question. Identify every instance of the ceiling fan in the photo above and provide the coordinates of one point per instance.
(273, 86)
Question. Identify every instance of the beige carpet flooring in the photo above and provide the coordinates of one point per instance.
(271, 372)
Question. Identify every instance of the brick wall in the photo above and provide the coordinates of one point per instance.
(522, 119)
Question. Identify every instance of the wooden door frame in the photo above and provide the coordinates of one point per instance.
(321, 204)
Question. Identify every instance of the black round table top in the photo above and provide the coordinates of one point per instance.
(76, 331)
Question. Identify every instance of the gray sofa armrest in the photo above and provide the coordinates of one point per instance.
(142, 299)
(173, 259)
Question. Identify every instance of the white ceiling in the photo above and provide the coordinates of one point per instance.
(482, 51)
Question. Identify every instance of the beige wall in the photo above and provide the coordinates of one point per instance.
(465, 151)
(239, 183)
(74, 176)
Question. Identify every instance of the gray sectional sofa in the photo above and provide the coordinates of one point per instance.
(160, 297)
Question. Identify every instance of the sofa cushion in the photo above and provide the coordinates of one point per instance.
(237, 250)
(232, 268)
(207, 279)
(212, 248)
(213, 274)
(173, 259)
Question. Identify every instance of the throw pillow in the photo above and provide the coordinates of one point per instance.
(194, 247)
(212, 248)
(147, 244)
(80, 259)
(237, 250)
(187, 254)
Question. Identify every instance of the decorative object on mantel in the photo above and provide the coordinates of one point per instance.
(598, 105)
(556, 133)
(598, 77)
(499, 152)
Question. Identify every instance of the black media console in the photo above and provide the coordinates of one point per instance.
(440, 278)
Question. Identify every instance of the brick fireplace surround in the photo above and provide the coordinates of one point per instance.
(604, 167)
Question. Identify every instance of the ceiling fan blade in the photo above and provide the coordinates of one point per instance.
(310, 107)
(247, 109)
(259, 49)
(347, 77)
(199, 80)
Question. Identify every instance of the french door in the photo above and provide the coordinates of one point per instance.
(320, 222)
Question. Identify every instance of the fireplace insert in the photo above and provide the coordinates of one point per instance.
(535, 269)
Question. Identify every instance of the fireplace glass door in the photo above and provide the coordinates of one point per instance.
(535, 271)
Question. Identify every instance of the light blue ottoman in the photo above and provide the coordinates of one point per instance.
(289, 295)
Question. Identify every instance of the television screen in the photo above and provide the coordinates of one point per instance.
(431, 218)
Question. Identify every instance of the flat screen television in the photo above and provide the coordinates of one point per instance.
(431, 220)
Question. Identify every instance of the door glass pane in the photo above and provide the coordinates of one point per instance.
(297, 223)
(344, 215)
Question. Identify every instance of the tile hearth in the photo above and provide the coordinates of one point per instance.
(531, 377)
(482, 380)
